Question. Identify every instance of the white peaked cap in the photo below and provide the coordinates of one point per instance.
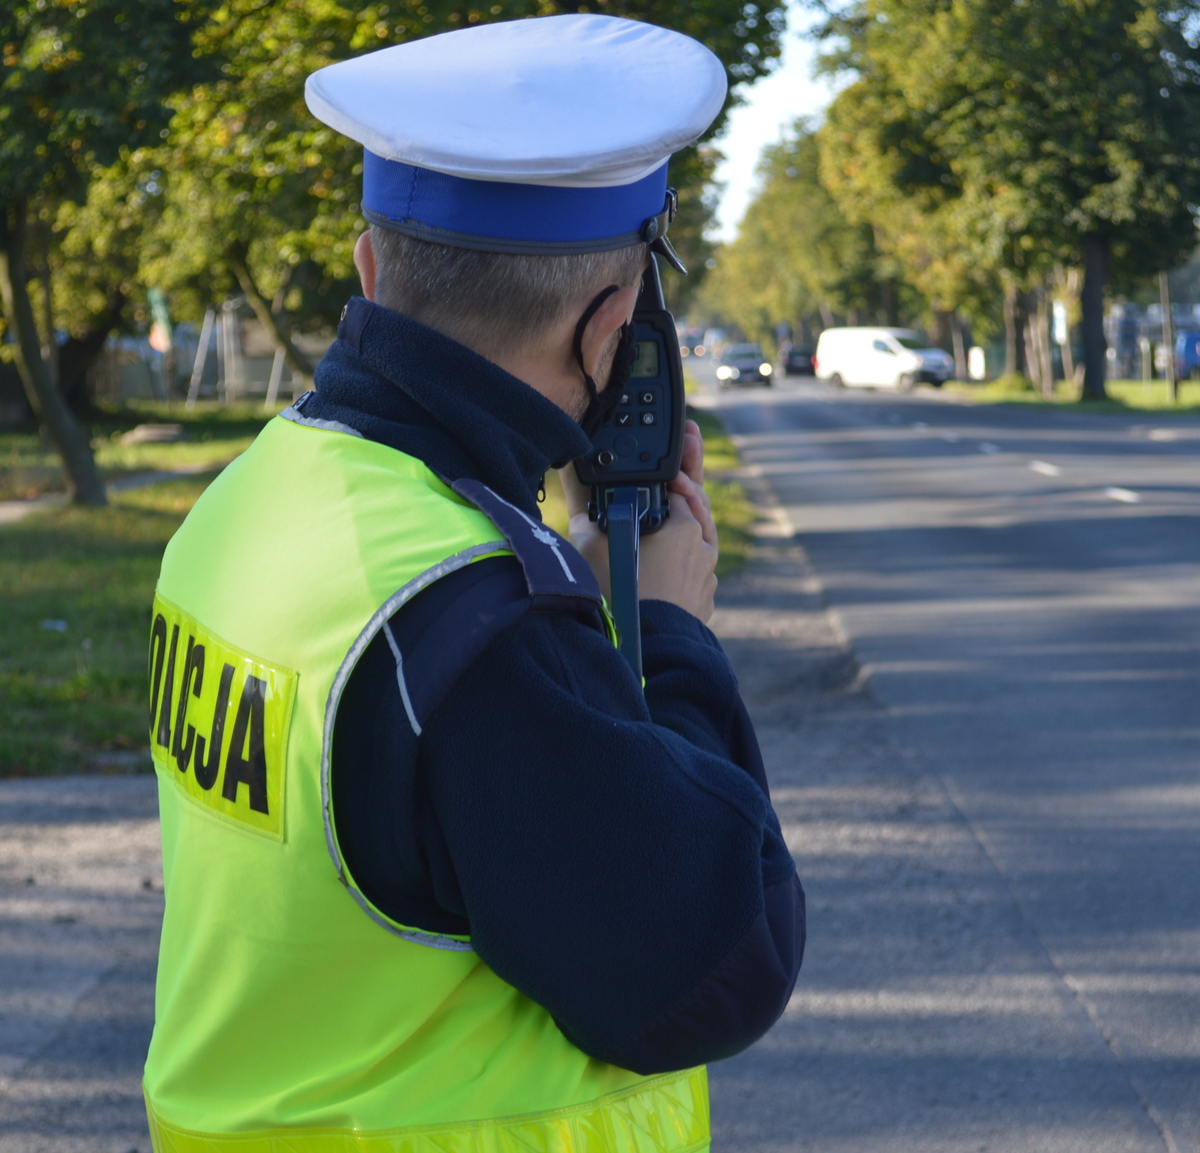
(576, 101)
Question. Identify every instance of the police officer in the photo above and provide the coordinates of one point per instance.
(440, 873)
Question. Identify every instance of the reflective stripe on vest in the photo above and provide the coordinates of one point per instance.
(284, 1017)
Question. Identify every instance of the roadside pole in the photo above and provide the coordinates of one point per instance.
(1168, 335)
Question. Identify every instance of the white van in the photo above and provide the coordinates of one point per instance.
(880, 358)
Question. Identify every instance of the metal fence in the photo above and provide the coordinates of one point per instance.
(229, 357)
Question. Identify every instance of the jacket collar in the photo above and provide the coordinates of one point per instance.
(409, 387)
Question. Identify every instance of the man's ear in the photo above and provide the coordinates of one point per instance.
(364, 261)
(614, 312)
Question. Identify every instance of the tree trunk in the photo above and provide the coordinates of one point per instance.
(1068, 356)
(1039, 326)
(891, 303)
(1014, 330)
(827, 320)
(1045, 324)
(961, 371)
(68, 437)
(941, 329)
(1168, 335)
(79, 353)
(1066, 290)
(272, 321)
(1033, 361)
(1095, 348)
(49, 342)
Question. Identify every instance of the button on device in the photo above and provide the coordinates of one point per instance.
(624, 419)
(647, 398)
(625, 398)
(648, 418)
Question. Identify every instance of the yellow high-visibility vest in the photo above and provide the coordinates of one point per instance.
(291, 1014)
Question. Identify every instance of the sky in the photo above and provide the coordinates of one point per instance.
(770, 105)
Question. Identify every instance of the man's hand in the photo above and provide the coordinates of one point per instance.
(678, 562)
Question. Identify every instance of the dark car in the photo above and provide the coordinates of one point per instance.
(691, 342)
(743, 364)
(798, 361)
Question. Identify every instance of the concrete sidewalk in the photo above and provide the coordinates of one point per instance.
(80, 909)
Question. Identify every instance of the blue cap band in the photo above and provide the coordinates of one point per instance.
(499, 216)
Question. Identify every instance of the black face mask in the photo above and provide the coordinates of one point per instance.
(603, 404)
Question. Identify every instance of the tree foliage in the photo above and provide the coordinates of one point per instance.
(80, 81)
(166, 144)
(797, 257)
(987, 135)
(881, 166)
(256, 188)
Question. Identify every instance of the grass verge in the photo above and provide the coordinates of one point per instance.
(213, 436)
(732, 509)
(76, 586)
(1124, 396)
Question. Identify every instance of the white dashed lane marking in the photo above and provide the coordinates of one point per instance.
(1124, 495)
(1042, 467)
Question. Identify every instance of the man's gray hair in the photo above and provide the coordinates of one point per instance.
(495, 302)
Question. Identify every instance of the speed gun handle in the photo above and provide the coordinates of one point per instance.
(623, 538)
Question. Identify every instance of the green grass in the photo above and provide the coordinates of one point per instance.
(732, 509)
(214, 436)
(75, 700)
(1124, 396)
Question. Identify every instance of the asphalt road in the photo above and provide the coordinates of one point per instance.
(970, 644)
(1005, 924)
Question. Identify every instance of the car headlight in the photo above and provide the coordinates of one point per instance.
(724, 372)
(765, 369)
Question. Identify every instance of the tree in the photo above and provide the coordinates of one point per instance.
(255, 188)
(93, 249)
(1071, 130)
(796, 255)
(882, 167)
(79, 82)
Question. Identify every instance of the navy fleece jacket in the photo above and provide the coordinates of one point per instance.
(612, 854)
